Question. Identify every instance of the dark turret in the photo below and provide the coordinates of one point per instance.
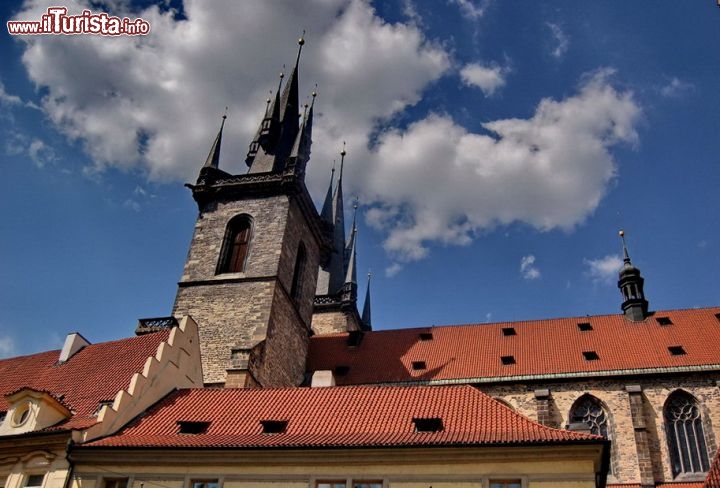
(634, 305)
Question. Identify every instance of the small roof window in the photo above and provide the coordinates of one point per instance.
(273, 426)
(426, 336)
(193, 426)
(509, 331)
(429, 424)
(677, 350)
(419, 365)
(507, 360)
(584, 326)
(664, 320)
(590, 355)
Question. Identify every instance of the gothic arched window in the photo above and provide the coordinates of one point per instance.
(235, 245)
(685, 435)
(590, 411)
(299, 273)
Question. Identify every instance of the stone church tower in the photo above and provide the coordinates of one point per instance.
(251, 271)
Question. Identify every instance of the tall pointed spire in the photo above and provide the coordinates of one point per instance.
(213, 159)
(353, 229)
(366, 317)
(276, 138)
(300, 154)
(327, 208)
(351, 273)
(634, 306)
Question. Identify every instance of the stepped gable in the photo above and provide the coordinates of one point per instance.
(540, 349)
(92, 375)
(339, 417)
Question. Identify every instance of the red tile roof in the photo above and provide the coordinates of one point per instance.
(540, 349)
(335, 417)
(713, 477)
(94, 374)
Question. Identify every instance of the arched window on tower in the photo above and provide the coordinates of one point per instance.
(236, 245)
(685, 434)
(298, 274)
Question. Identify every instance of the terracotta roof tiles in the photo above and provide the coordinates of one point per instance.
(334, 417)
(540, 348)
(94, 374)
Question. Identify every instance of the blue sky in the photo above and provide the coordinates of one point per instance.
(496, 149)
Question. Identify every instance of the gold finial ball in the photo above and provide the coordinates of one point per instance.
(621, 233)
(301, 41)
(343, 153)
(282, 75)
(314, 94)
(267, 101)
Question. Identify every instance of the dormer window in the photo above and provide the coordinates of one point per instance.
(430, 424)
(21, 415)
(273, 426)
(509, 331)
(193, 427)
(34, 480)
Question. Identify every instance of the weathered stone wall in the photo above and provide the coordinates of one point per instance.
(236, 311)
(612, 393)
(334, 321)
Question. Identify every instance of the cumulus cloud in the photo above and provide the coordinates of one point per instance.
(605, 269)
(562, 42)
(437, 182)
(8, 99)
(676, 88)
(40, 153)
(154, 102)
(487, 78)
(528, 270)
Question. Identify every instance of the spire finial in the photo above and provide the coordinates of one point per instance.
(213, 159)
(366, 314)
(342, 159)
(301, 43)
(626, 255)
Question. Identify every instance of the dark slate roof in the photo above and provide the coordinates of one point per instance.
(93, 375)
(339, 417)
(539, 349)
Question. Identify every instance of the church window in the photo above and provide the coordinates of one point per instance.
(367, 483)
(236, 245)
(589, 411)
(299, 273)
(685, 434)
(331, 484)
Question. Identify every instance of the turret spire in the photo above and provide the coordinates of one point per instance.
(300, 154)
(631, 282)
(366, 318)
(273, 147)
(327, 208)
(213, 159)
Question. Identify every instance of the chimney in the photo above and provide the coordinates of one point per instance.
(73, 343)
(322, 378)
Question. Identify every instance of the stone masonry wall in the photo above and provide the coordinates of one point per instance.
(236, 311)
(613, 395)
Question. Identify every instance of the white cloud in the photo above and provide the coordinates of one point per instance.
(487, 78)
(549, 171)
(154, 102)
(676, 88)
(393, 269)
(40, 153)
(7, 346)
(6, 98)
(528, 270)
(562, 42)
(605, 269)
(470, 10)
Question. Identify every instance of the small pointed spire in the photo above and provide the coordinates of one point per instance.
(351, 274)
(626, 255)
(366, 317)
(631, 283)
(213, 159)
(327, 208)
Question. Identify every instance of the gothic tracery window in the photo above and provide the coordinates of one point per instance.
(589, 411)
(235, 245)
(299, 273)
(685, 435)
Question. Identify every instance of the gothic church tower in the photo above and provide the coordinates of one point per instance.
(251, 271)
